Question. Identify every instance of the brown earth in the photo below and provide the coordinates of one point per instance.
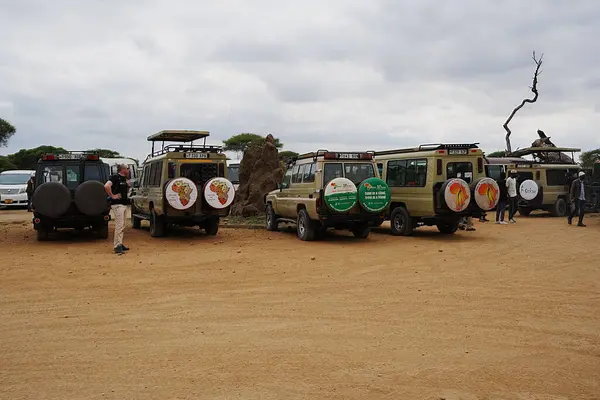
(507, 312)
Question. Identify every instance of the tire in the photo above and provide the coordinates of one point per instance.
(361, 231)
(136, 223)
(51, 199)
(157, 225)
(42, 235)
(401, 222)
(560, 208)
(271, 219)
(90, 198)
(211, 226)
(305, 227)
(524, 211)
(447, 228)
(102, 232)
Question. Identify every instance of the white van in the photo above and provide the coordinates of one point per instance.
(233, 172)
(13, 188)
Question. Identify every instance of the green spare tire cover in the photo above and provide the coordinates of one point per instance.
(374, 195)
(340, 195)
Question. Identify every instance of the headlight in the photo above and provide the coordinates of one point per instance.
(21, 191)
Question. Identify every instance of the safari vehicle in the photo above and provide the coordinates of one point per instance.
(69, 193)
(183, 184)
(326, 189)
(593, 187)
(435, 184)
(542, 185)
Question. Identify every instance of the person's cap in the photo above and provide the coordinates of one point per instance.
(581, 174)
(513, 171)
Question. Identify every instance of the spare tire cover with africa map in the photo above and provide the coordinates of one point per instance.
(181, 193)
(90, 198)
(51, 199)
(456, 194)
(486, 193)
(219, 193)
(340, 195)
(374, 194)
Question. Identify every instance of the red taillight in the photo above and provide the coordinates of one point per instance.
(366, 156)
(106, 217)
(36, 221)
(439, 166)
(480, 165)
(48, 157)
(441, 151)
(473, 150)
(329, 156)
(93, 158)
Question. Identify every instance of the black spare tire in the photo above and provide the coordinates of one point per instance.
(51, 199)
(91, 199)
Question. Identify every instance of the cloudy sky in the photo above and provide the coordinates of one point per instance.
(337, 74)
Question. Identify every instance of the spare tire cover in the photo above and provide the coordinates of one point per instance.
(219, 193)
(91, 198)
(456, 194)
(486, 193)
(340, 195)
(528, 190)
(181, 193)
(51, 199)
(374, 194)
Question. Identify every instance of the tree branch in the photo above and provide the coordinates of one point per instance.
(533, 87)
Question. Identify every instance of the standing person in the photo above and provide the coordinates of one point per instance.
(29, 190)
(513, 199)
(116, 188)
(578, 198)
(502, 199)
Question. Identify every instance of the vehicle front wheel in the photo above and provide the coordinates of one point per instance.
(305, 226)
(157, 225)
(447, 228)
(361, 231)
(271, 219)
(401, 222)
(211, 227)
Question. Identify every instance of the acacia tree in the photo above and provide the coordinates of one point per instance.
(496, 154)
(241, 142)
(533, 87)
(6, 132)
(588, 158)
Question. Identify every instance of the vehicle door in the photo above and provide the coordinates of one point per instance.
(284, 195)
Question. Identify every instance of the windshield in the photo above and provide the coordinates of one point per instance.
(14, 179)
(356, 172)
(234, 173)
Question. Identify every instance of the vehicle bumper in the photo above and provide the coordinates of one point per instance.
(329, 220)
(13, 200)
(76, 221)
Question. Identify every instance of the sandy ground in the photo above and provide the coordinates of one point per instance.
(507, 312)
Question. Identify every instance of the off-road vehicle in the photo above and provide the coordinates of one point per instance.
(69, 193)
(435, 184)
(182, 184)
(326, 189)
(542, 185)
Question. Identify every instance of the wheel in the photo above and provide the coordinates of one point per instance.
(271, 219)
(102, 232)
(560, 208)
(361, 231)
(157, 225)
(401, 222)
(42, 235)
(447, 228)
(136, 223)
(305, 226)
(524, 211)
(211, 227)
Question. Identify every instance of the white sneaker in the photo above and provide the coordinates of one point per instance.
(512, 221)
(503, 223)
(497, 222)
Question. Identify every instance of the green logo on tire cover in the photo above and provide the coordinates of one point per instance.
(374, 194)
(340, 194)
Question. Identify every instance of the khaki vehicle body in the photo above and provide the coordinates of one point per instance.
(418, 178)
(301, 195)
(198, 163)
(551, 179)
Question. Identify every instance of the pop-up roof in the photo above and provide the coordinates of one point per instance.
(178, 136)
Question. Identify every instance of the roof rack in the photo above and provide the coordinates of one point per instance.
(533, 150)
(181, 136)
(175, 135)
(431, 147)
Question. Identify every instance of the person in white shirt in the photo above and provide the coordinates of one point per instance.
(513, 199)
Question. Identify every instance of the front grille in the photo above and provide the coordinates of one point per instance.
(9, 191)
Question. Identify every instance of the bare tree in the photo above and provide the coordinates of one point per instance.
(533, 87)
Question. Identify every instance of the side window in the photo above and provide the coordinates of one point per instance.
(396, 173)
(332, 171)
(309, 173)
(556, 177)
(287, 178)
(146, 180)
(152, 176)
(416, 173)
(295, 175)
(157, 174)
(380, 169)
(302, 171)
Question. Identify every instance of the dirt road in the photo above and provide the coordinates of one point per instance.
(507, 312)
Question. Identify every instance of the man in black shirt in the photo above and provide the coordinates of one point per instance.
(117, 188)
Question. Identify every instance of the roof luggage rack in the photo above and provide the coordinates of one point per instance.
(181, 136)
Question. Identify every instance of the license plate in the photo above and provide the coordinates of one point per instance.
(195, 155)
(454, 152)
(8, 201)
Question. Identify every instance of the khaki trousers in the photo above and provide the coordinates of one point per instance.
(119, 211)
